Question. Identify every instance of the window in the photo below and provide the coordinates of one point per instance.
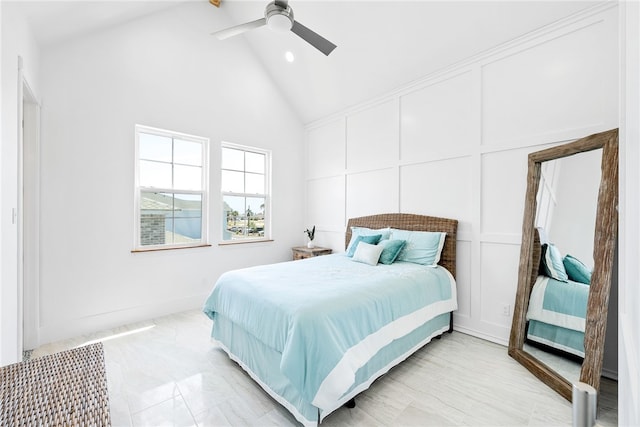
(245, 193)
(171, 189)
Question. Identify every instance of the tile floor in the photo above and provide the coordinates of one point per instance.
(167, 372)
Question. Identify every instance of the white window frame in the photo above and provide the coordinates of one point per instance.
(138, 189)
(267, 237)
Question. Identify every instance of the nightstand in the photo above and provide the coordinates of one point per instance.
(302, 252)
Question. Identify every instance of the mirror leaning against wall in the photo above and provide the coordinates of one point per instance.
(569, 236)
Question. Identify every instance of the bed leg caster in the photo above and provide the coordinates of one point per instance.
(351, 404)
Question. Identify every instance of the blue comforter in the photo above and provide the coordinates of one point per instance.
(329, 315)
(558, 303)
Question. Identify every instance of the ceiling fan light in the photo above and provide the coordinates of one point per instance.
(279, 22)
(288, 55)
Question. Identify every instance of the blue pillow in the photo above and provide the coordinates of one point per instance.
(576, 270)
(385, 233)
(551, 263)
(391, 250)
(373, 240)
(422, 247)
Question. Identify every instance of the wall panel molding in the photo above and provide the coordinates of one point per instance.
(451, 164)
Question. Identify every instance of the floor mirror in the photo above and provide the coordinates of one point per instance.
(569, 234)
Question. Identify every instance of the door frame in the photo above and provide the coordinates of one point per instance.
(28, 215)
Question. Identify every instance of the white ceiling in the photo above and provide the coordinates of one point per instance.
(381, 44)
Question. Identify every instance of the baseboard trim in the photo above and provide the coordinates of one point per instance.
(72, 328)
(480, 335)
(608, 373)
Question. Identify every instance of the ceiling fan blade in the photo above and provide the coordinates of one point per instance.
(281, 3)
(314, 39)
(239, 29)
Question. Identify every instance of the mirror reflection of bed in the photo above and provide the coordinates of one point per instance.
(564, 300)
(565, 223)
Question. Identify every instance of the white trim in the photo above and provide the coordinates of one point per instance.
(27, 293)
(30, 217)
(536, 37)
(267, 195)
(204, 192)
(18, 217)
(629, 232)
(115, 317)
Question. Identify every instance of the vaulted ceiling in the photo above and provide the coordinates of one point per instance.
(381, 44)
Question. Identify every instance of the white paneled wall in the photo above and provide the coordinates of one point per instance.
(439, 119)
(372, 192)
(455, 144)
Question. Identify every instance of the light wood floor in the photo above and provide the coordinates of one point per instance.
(168, 372)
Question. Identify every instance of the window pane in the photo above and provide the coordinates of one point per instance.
(234, 221)
(154, 147)
(187, 177)
(254, 183)
(254, 162)
(255, 217)
(188, 218)
(155, 216)
(187, 152)
(155, 174)
(257, 206)
(232, 182)
(232, 159)
(187, 230)
(152, 202)
(188, 206)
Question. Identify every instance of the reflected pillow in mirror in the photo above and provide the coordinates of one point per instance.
(391, 250)
(551, 263)
(367, 253)
(576, 270)
(372, 240)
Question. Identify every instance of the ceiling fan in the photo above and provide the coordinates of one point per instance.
(278, 15)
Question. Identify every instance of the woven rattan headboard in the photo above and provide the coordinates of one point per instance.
(414, 222)
(536, 254)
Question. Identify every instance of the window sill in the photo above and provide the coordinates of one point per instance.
(243, 242)
(170, 248)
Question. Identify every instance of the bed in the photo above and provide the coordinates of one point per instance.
(314, 333)
(557, 309)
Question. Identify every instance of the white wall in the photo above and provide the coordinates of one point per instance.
(455, 144)
(572, 228)
(629, 243)
(2, 344)
(17, 40)
(95, 90)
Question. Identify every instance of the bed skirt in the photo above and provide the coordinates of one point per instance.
(262, 363)
(557, 337)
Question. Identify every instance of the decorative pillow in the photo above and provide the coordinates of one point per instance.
(422, 247)
(551, 263)
(576, 270)
(385, 233)
(371, 239)
(367, 253)
(391, 250)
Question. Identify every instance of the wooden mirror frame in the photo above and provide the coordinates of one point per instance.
(605, 236)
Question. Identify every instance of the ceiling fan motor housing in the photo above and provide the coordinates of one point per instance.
(279, 18)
